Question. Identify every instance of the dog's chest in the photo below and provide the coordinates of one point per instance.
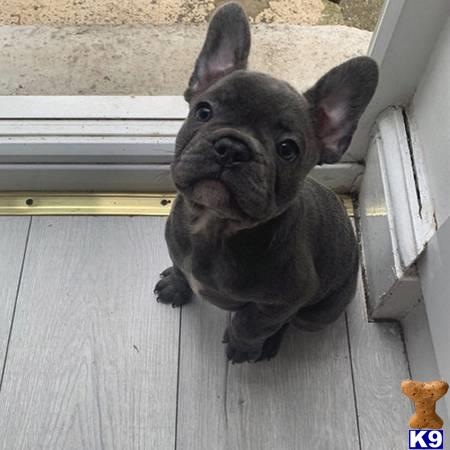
(212, 278)
(206, 272)
(194, 283)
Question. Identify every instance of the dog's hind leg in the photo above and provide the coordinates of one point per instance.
(173, 288)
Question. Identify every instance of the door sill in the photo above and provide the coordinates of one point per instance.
(96, 204)
(82, 204)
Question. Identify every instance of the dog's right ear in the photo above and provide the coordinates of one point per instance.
(225, 50)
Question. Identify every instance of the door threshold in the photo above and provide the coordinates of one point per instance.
(85, 204)
(96, 204)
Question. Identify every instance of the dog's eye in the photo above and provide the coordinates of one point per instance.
(288, 150)
(203, 112)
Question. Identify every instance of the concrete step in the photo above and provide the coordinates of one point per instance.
(157, 60)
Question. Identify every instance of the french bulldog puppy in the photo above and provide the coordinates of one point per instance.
(249, 231)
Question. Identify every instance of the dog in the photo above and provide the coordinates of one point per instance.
(249, 231)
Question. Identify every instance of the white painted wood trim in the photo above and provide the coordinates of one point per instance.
(88, 141)
(119, 177)
(94, 149)
(91, 127)
(406, 190)
(434, 276)
(396, 216)
(86, 177)
(108, 155)
(92, 107)
(384, 31)
(402, 43)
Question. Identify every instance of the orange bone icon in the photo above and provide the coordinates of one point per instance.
(424, 396)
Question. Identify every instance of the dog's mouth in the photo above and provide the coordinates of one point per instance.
(216, 196)
(231, 192)
(211, 193)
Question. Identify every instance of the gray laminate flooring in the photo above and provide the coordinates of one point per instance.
(90, 361)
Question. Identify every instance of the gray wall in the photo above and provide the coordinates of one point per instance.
(431, 111)
(426, 329)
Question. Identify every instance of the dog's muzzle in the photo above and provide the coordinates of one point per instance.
(230, 152)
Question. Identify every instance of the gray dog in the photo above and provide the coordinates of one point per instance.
(249, 231)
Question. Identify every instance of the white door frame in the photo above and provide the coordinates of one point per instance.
(121, 144)
(126, 150)
(124, 143)
(396, 209)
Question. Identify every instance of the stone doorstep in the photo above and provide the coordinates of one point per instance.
(157, 60)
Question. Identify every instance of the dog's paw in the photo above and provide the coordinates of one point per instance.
(236, 355)
(272, 345)
(172, 289)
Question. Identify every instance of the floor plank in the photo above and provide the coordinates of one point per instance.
(13, 237)
(93, 358)
(379, 365)
(92, 361)
(302, 399)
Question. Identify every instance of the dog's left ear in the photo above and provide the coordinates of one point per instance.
(226, 48)
(337, 102)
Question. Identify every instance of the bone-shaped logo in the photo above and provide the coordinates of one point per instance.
(424, 396)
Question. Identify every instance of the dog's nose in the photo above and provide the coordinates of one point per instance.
(231, 151)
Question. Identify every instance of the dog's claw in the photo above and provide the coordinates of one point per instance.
(166, 272)
(236, 356)
(172, 288)
(266, 352)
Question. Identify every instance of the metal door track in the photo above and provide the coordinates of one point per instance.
(81, 204)
(95, 204)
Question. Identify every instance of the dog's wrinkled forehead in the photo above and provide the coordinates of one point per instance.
(254, 96)
(333, 105)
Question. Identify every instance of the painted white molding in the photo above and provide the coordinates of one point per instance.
(407, 192)
(87, 141)
(433, 268)
(396, 216)
(401, 44)
(92, 107)
(119, 177)
(86, 177)
(125, 155)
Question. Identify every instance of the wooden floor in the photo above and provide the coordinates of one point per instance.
(91, 361)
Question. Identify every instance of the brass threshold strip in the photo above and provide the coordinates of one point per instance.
(84, 204)
(95, 204)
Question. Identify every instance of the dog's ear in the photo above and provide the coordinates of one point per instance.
(226, 48)
(337, 101)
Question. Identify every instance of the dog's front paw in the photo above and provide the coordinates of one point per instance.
(172, 288)
(238, 355)
(272, 344)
